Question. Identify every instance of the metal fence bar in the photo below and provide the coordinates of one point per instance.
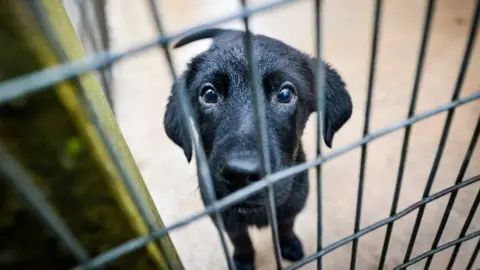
(208, 186)
(88, 30)
(156, 18)
(438, 249)
(22, 182)
(468, 220)
(101, 20)
(446, 129)
(262, 140)
(159, 25)
(320, 99)
(453, 196)
(86, 23)
(256, 187)
(125, 177)
(383, 222)
(205, 175)
(371, 78)
(474, 256)
(37, 81)
(406, 136)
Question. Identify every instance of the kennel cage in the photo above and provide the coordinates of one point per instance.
(46, 80)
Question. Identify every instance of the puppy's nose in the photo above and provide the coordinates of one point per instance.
(241, 171)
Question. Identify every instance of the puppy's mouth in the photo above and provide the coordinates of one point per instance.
(245, 211)
(237, 182)
(253, 203)
(250, 206)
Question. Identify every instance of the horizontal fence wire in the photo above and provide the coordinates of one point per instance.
(36, 81)
(406, 136)
(256, 187)
(19, 179)
(206, 182)
(448, 122)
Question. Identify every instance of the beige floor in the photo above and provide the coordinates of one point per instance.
(143, 84)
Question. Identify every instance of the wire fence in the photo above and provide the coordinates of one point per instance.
(40, 80)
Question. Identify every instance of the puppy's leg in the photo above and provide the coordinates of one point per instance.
(243, 255)
(290, 245)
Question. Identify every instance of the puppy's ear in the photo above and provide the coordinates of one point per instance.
(174, 122)
(338, 104)
(205, 33)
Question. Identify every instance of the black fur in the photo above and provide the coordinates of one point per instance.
(227, 127)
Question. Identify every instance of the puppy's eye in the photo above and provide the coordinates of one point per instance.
(208, 94)
(286, 93)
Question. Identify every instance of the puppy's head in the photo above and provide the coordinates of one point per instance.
(219, 90)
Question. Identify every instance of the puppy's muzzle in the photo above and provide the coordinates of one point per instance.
(239, 171)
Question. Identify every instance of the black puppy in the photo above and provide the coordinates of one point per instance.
(218, 88)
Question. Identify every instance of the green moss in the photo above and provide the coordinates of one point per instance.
(72, 150)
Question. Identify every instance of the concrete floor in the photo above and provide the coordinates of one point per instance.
(143, 84)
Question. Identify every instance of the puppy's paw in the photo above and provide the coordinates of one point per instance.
(243, 265)
(292, 249)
